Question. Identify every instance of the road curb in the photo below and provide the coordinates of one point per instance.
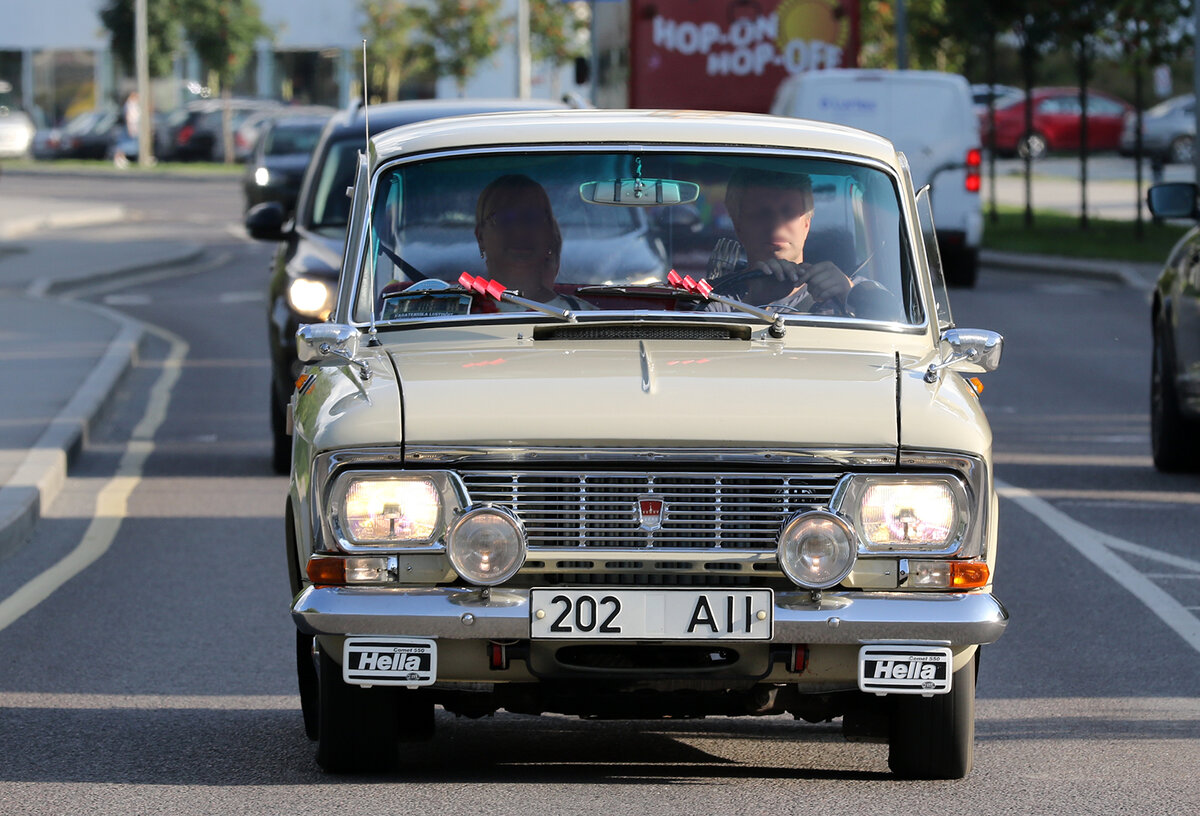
(41, 475)
(185, 256)
(1132, 274)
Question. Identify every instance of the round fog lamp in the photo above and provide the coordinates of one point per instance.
(817, 550)
(486, 545)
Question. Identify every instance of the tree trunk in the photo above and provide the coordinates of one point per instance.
(993, 212)
(1082, 67)
(1028, 58)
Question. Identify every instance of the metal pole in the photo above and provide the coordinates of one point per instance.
(901, 36)
(142, 58)
(524, 60)
(1196, 86)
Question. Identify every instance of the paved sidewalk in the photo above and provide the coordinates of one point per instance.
(63, 358)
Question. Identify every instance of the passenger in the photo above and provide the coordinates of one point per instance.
(520, 241)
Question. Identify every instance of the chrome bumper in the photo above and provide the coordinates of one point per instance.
(840, 617)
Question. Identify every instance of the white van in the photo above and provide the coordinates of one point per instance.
(928, 115)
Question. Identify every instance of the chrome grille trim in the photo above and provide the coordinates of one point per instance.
(598, 510)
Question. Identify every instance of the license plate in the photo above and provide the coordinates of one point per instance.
(640, 614)
(389, 661)
(899, 669)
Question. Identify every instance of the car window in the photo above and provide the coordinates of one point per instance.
(330, 208)
(283, 139)
(1102, 106)
(435, 219)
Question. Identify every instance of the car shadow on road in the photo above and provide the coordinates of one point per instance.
(235, 747)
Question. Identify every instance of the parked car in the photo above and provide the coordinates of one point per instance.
(284, 144)
(16, 132)
(195, 131)
(1057, 120)
(1175, 323)
(1168, 131)
(305, 268)
(625, 495)
(928, 115)
(982, 92)
(87, 135)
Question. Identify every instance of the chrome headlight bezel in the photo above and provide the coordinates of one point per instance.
(443, 489)
(962, 538)
(830, 521)
(471, 515)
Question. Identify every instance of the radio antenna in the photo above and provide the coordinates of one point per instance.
(366, 116)
(373, 339)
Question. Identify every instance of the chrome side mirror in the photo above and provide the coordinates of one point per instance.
(969, 351)
(330, 344)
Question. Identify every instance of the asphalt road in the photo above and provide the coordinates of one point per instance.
(159, 678)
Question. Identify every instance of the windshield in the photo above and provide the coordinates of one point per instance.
(290, 139)
(604, 231)
(330, 209)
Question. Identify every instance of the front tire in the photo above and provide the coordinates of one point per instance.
(1174, 439)
(281, 443)
(1034, 146)
(356, 727)
(934, 737)
(1181, 150)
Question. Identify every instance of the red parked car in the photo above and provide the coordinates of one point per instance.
(1056, 122)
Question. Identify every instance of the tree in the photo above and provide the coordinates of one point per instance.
(556, 34)
(463, 33)
(395, 53)
(1149, 33)
(163, 33)
(224, 33)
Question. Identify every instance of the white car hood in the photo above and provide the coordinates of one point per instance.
(659, 394)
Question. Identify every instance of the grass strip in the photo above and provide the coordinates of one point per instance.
(1056, 233)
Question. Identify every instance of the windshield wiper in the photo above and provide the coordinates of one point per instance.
(704, 289)
(495, 289)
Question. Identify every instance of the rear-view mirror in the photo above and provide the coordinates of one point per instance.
(639, 192)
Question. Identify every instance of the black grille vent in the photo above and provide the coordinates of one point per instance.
(639, 331)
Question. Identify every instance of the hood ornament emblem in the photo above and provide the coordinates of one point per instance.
(650, 512)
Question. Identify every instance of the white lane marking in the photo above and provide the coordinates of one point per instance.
(242, 297)
(1099, 548)
(112, 501)
(216, 702)
(127, 300)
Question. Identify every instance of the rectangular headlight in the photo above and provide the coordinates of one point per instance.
(380, 510)
(898, 513)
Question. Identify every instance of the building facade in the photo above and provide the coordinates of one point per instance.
(56, 56)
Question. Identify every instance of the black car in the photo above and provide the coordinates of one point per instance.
(1175, 322)
(305, 268)
(89, 135)
(195, 129)
(275, 167)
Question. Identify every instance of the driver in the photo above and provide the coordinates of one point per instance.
(772, 213)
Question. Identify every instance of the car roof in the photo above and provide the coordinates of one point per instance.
(631, 126)
(388, 115)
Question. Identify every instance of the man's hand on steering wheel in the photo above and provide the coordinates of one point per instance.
(825, 281)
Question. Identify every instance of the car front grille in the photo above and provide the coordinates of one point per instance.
(743, 511)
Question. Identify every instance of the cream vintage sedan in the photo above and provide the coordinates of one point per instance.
(641, 414)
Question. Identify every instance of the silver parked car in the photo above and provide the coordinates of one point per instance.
(1168, 130)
